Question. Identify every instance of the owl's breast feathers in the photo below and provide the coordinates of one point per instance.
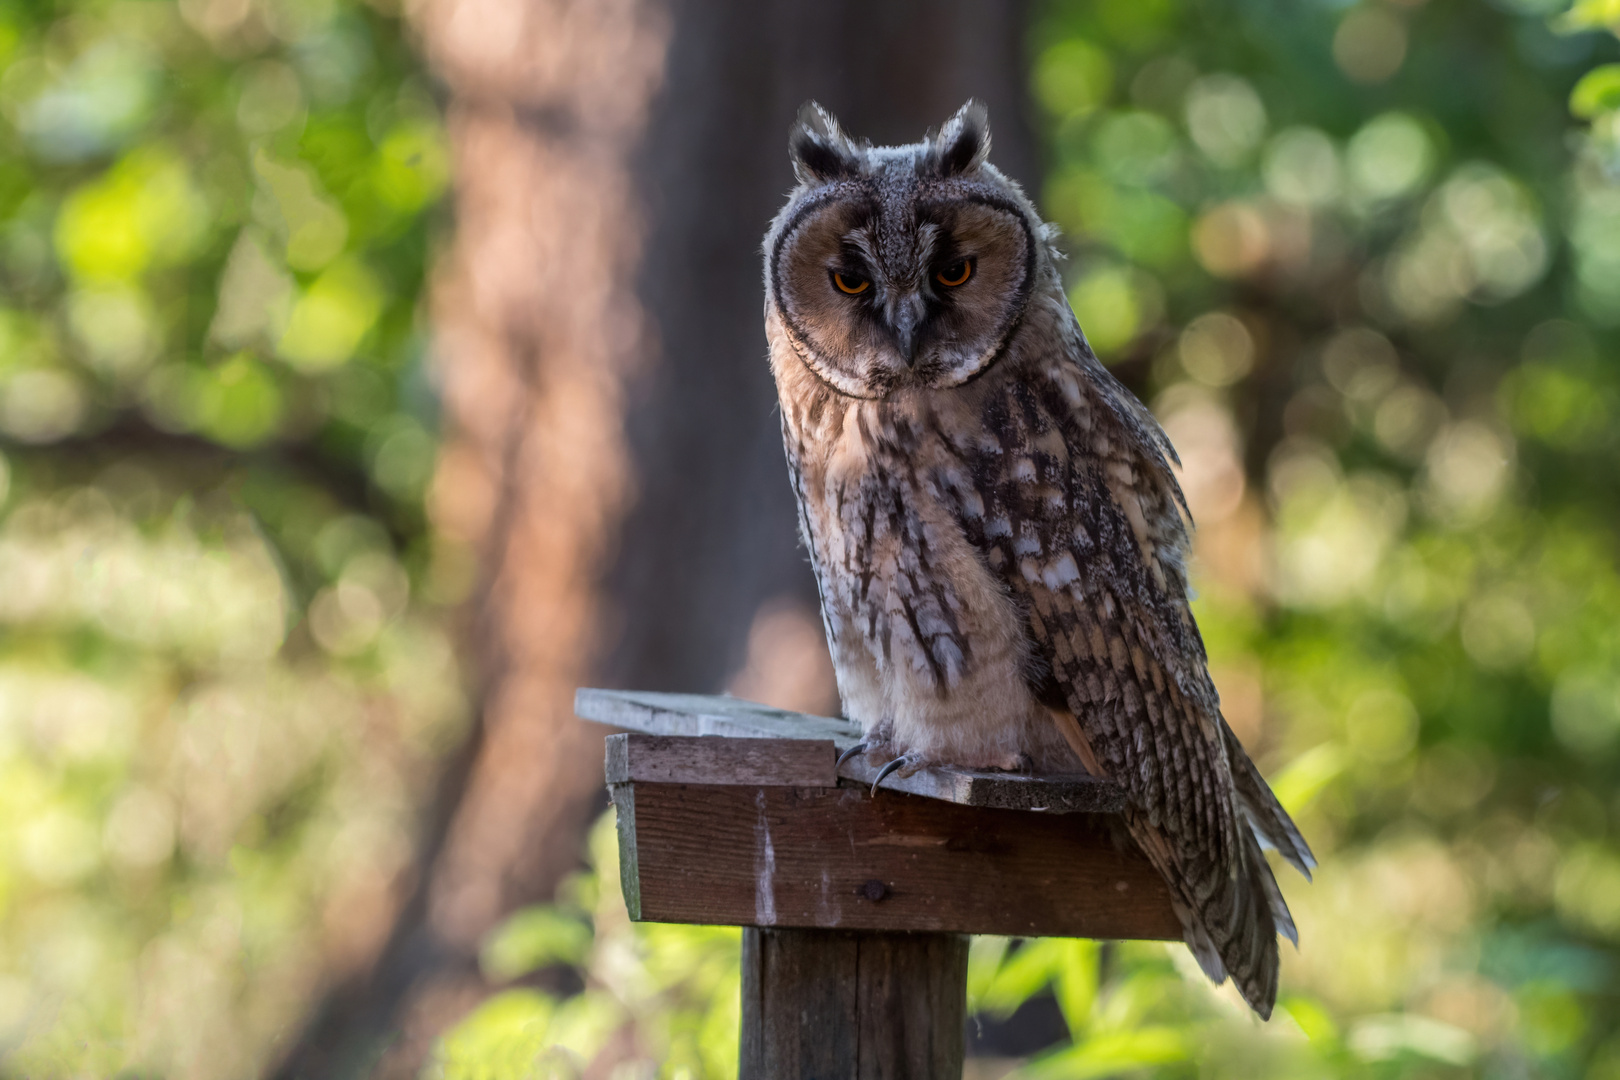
(926, 640)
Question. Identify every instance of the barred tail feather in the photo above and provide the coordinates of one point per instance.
(1224, 895)
(1229, 921)
(1271, 824)
(1199, 943)
(1274, 897)
(1251, 950)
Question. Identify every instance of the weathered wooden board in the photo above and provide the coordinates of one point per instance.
(1074, 793)
(842, 858)
(869, 1006)
(701, 714)
(693, 714)
(678, 759)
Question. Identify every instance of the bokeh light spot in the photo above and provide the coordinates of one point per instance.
(1225, 118)
(41, 405)
(1114, 304)
(1231, 240)
(1072, 78)
(270, 98)
(1217, 349)
(1370, 44)
(142, 213)
(1389, 157)
(331, 317)
(1302, 167)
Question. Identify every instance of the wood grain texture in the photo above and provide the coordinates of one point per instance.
(825, 1004)
(705, 759)
(841, 858)
(1074, 793)
(701, 715)
(706, 714)
(911, 1005)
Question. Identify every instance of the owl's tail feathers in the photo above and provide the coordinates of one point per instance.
(1267, 881)
(1245, 910)
(1223, 921)
(1230, 921)
(1244, 934)
(1251, 953)
(1271, 824)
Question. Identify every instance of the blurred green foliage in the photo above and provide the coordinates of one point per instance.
(223, 671)
(657, 1000)
(1364, 261)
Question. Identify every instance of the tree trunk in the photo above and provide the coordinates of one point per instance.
(612, 453)
(713, 531)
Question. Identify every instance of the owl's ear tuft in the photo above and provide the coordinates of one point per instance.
(962, 143)
(820, 150)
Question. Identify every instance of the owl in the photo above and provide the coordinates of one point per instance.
(993, 522)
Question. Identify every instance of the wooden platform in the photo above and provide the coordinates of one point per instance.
(694, 714)
(734, 813)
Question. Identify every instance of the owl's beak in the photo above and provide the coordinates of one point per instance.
(905, 316)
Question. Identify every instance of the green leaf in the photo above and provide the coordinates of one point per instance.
(532, 939)
(502, 1037)
(1298, 785)
(1589, 15)
(1033, 965)
(1076, 985)
(1109, 1055)
(1598, 92)
(1313, 1019)
(985, 954)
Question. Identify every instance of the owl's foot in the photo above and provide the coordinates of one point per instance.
(875, 744)
(906, 762)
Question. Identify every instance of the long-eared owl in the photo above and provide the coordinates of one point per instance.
(993, 521)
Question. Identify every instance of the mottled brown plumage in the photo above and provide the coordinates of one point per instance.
(993, 522)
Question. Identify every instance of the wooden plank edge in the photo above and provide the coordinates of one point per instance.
(698, 714)
(708, 759)
(623, 797)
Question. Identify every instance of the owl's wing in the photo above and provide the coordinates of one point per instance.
(1075, 507)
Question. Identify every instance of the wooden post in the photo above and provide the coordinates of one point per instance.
(855, 904)
(818, 1004)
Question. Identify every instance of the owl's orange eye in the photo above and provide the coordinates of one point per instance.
(853, 284)
(955, 274)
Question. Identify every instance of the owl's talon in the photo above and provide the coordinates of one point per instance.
(898, 763)
(858, 748)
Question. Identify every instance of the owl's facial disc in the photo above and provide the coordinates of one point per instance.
(883, 292)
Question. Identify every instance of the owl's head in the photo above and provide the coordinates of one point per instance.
(904, 266)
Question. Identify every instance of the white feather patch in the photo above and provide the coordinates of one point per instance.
(1061, 572)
